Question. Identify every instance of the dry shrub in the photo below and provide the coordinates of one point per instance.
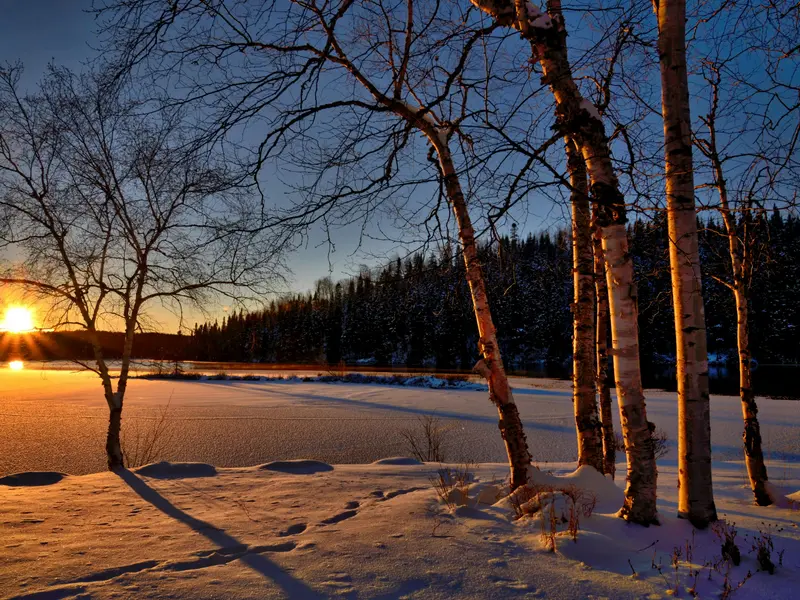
(726, 534)
(426, 442)
(763, 546)
(144, 439)
(542, 500)
(452, 485)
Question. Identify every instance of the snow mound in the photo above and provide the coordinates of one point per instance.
(609, 496)
(398, 460)
(176, 470)
(32, 478)
(297, 467)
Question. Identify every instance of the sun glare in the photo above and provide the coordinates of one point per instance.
(16, 365)
(17, 320)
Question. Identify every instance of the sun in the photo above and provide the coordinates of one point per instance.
(17, 320)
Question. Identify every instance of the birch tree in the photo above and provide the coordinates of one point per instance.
(114, 214)
(579, 120)
(601, 351)
(695, 490)
(391, 72)
(747, 135)
(584, 371)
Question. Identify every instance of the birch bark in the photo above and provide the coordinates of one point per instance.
(601, 343)
(491, 364)
(741, 267)
(578, 119)
(695, 490)
(584, 398)
(751, 437)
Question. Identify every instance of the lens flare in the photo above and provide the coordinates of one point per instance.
(17, 320)
(16, 365)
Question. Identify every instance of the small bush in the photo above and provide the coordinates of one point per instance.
(763, 546)
(726, 534)
(145, 439)
(554, 506)
(426, 442)
(452, 485)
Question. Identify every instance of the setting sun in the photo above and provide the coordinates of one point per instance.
(17, 320)
(16, 365)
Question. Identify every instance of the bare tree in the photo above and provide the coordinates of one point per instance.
(747, 136)
(391, 71)
(579, 120)
(696, 493)
(114, 211)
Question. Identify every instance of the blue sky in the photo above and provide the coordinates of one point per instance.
(37, 32)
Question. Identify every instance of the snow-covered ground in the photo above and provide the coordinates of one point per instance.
(56, 420)
(358, 531)
(354, 530)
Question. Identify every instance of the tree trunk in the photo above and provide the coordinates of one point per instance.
(114, 455)
(604, 391)
(491, 364)
(584, 399)
(695, 490)
(578, 119)
(113, 445)
(753, 454)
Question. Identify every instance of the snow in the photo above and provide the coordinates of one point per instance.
(590, 108)
(299, 466)
(32, 478)
(168, 470)
(313, 527)
(56, 421)
(536, 18)
(366, 531)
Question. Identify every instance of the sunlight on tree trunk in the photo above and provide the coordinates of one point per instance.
(580, 120)
(695, 495)
(491, 365)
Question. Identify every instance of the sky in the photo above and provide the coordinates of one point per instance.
(36, 32)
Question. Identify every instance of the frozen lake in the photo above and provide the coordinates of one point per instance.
(56, 420)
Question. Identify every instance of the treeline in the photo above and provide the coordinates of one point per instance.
(76, 345)
(417, 312)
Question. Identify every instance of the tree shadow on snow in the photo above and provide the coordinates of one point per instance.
(443, 414)
(294, 588)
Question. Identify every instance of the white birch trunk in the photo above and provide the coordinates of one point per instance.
(491, 364)
(601, 343)
(695, 495)
(584, 398)
(751, 437)
(579, 120)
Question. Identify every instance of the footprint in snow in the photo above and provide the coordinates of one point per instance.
(295, 529)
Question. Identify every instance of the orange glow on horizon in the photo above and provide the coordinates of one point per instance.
(16, 365)
(17, 320)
